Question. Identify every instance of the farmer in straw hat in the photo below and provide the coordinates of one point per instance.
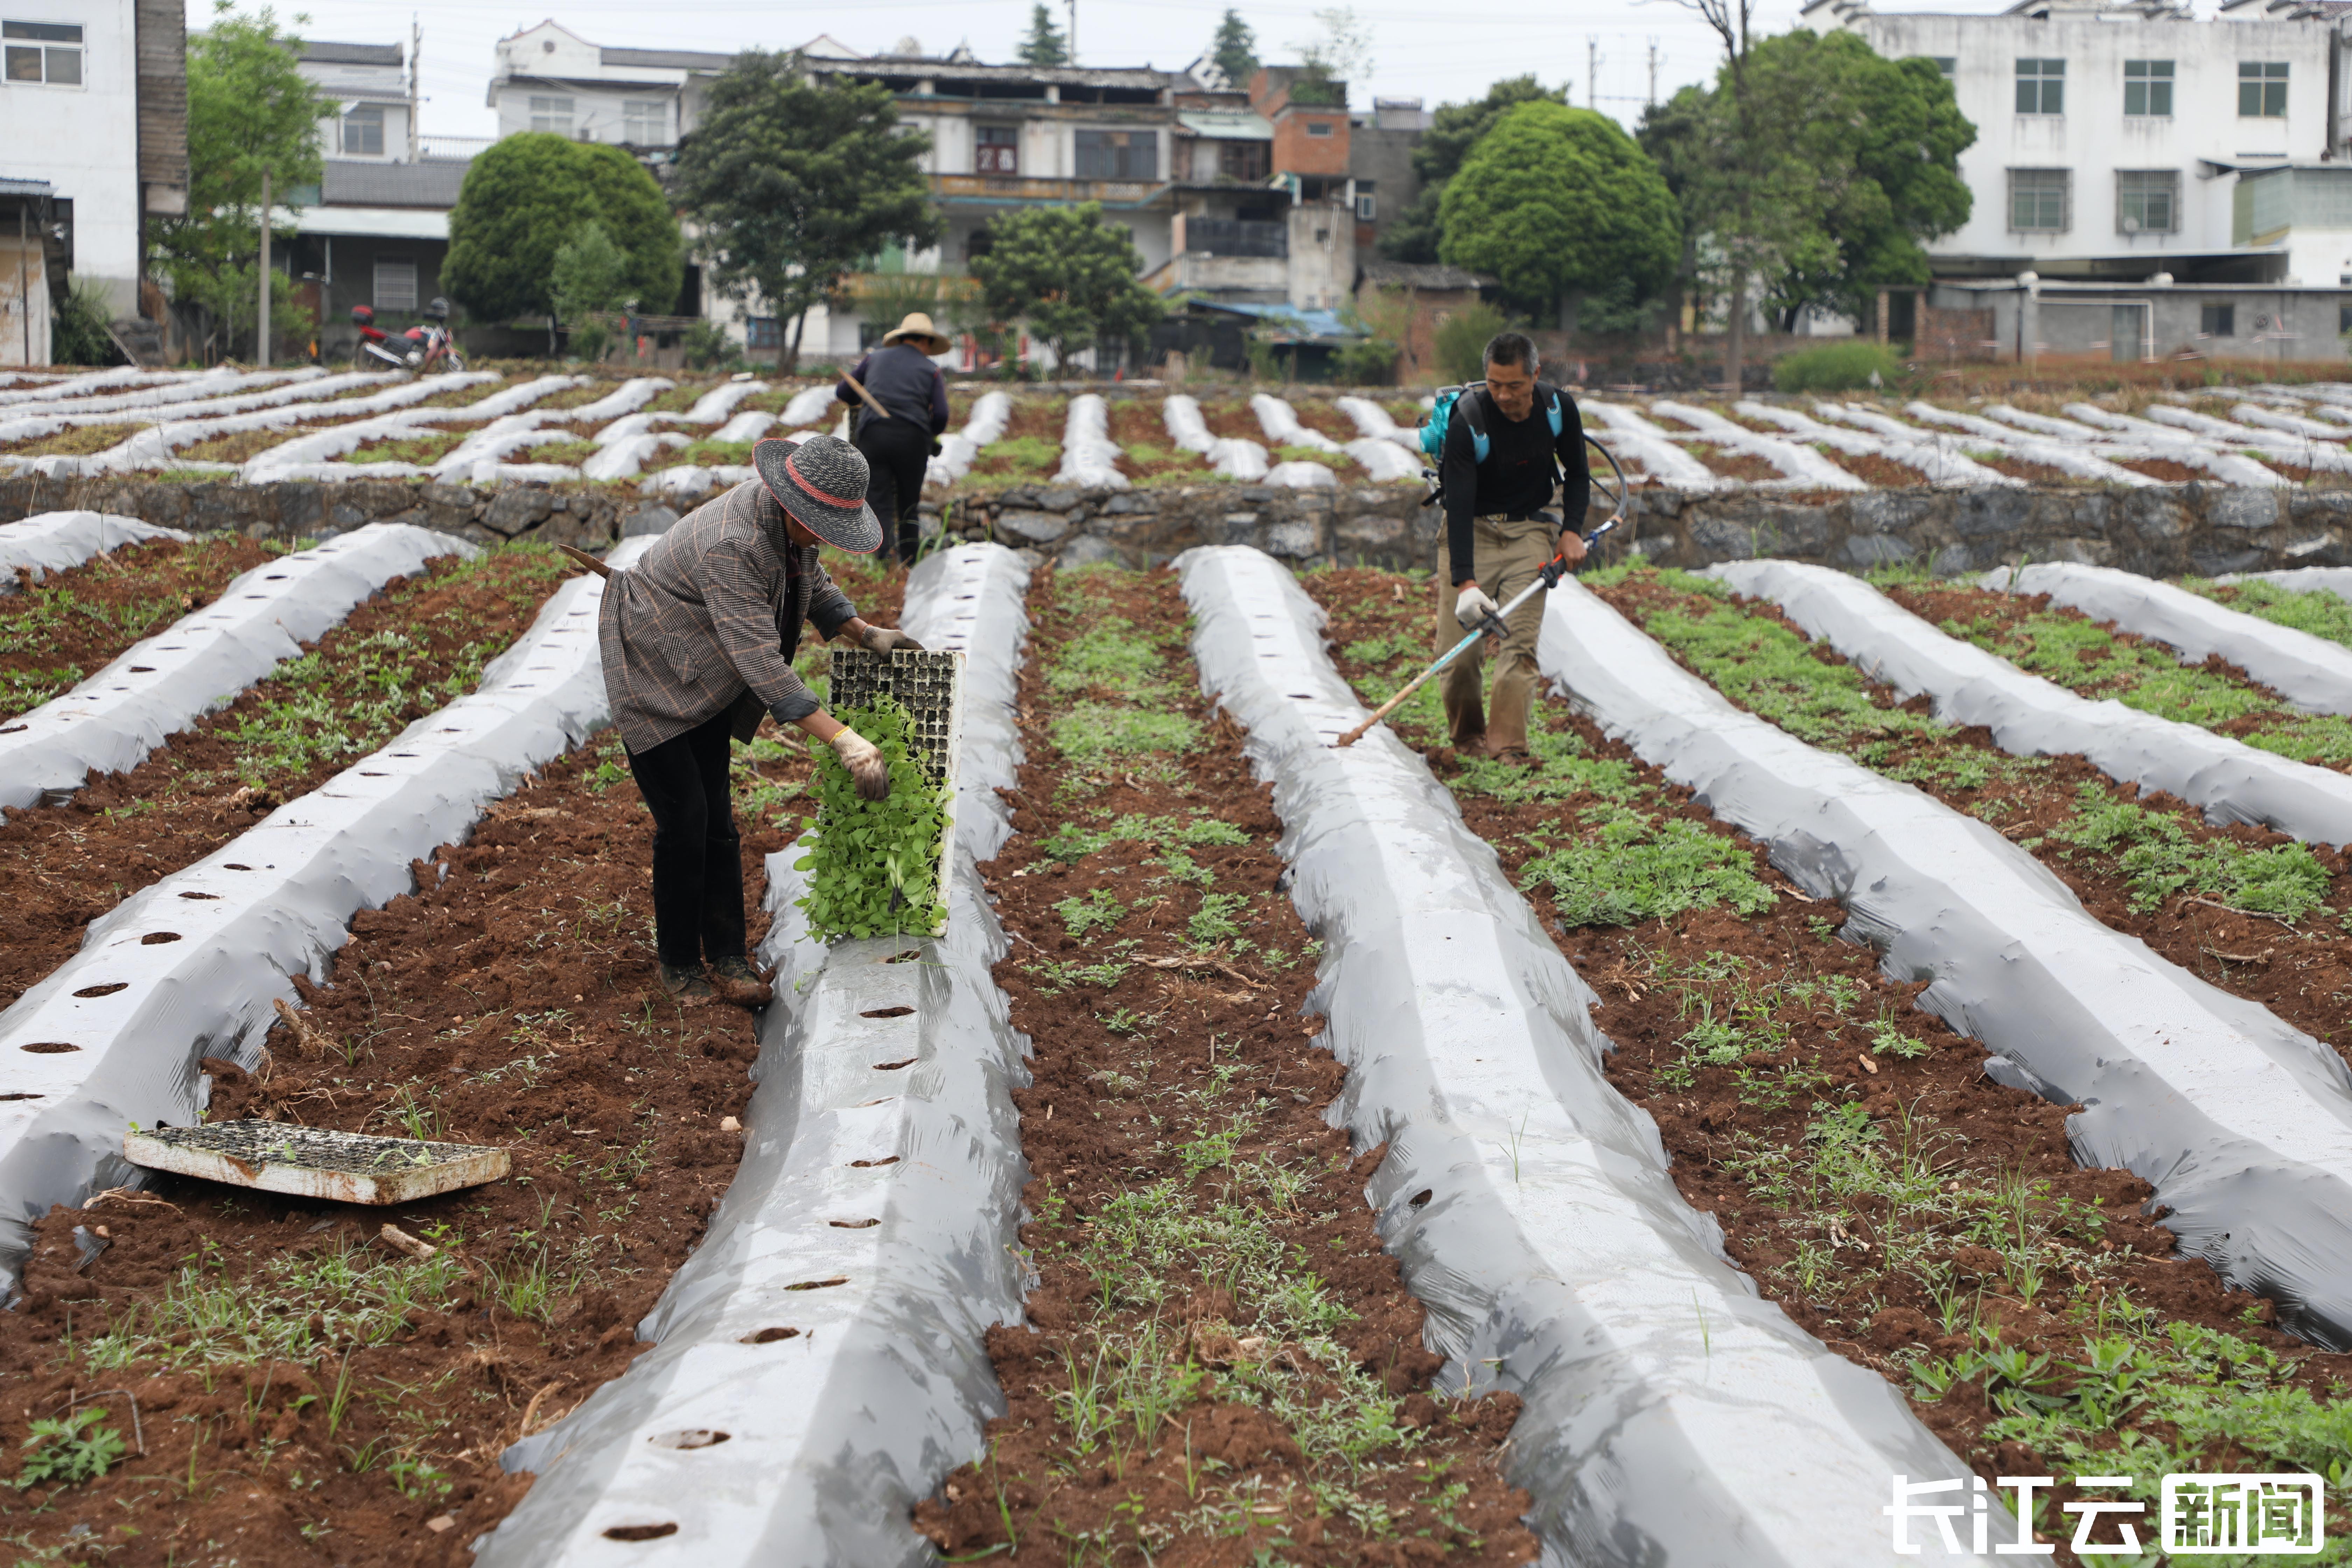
(698, 640)
(901, 376)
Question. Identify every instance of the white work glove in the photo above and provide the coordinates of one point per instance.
(864, 760)
(882, 639)
(1472, 607)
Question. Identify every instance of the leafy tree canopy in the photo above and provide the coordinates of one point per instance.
(527, 196)
(1843, 164)
(1554, 200)
(250, 111)
(1066, 273)
(1045, 45)
(1235, 49)
(590, 274)
(796, 184)
(1414, 234)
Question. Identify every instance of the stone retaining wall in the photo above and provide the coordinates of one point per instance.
(2168, 531)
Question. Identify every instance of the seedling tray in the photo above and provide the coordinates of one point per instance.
(929, 685)
(314, 1161)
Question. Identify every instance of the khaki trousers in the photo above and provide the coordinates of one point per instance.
(1507, 557)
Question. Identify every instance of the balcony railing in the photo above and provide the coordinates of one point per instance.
(1234, 236)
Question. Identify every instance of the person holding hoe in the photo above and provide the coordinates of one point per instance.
(1509, 444)
(698, 640)
(900, 404)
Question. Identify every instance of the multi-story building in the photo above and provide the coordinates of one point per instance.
(373, 90)
(93, 141)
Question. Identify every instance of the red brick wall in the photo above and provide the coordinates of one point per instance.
(1295, 152)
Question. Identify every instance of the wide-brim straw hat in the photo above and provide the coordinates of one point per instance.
(821, 481)
(917, 329)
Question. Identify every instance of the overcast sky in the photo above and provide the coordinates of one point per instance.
(1418, 50)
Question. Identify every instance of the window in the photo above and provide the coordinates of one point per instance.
(2261, 89)
(363, 131)
(2042, 87)
(395, 283)
(2147, 86)
(2147, 201)
(996, 150)
(553, 115)
(1367, 208)
(2037, 200)
(1318, 128)
(43, 52)
(1118, 154)
(2218, 321)
(645, 122)
(1949, 64)
(1247, 162)
(2343, 320)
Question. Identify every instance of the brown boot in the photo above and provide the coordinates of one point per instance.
(737, 982)
(686, 987)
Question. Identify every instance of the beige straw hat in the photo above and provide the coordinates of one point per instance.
(917, 329)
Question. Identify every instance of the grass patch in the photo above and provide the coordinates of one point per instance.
(1336, 461)
(1019, 456)
(2159, 859)
(1635, 867)
(419, 451)
(76, 441)
(2318, 612)
(1073, 842)
(1113, 679)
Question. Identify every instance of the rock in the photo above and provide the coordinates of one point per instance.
(518, 511)
(648, 519)
(1868, 550)
(1294, 540)
(1090, 550)
(1060, 497)
(1039, 527)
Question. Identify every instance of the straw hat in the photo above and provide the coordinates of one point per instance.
(917, 329)
(821, 481)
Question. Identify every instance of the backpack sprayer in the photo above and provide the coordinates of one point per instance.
(1549, 576)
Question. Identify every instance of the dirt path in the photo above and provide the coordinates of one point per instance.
(1224, 1362)
(308, 1394)
(55, 631)
(418, 644)
(1923, 1221)
(2242, 907)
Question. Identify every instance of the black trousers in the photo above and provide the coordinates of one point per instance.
(697, 857)
(899, 454)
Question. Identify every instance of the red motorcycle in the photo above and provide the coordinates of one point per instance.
(421, 348)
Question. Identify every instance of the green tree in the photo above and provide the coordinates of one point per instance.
(526, 196)
(1070, 275)
(1414, 234)
(251, 112)
(796, 184)
(1327, 63)
(1554, 201)
(1045, 45)
(588, 276)
(1235, 49)
(1851, 162)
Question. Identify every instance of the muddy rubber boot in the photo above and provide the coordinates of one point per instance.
(686, 987)
(736, 981)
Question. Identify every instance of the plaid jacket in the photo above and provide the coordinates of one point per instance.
(710, 613)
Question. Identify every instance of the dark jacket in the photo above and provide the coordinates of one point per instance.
(1525, 465)
(708, 619)
(903, 380)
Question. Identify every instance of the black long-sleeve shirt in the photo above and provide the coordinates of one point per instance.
(903, 380)
(1524, 465)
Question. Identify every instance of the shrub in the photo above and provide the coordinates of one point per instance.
(1461, 341)
(588, 343)
(1836, 367)
(707, 345)
(77, 333)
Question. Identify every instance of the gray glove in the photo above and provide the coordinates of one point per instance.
(882, 639)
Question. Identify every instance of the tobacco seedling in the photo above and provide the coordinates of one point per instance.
(70, 1450)
(873, 864)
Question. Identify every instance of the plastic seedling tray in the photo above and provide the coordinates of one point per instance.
(314, 1161)
(929, 685)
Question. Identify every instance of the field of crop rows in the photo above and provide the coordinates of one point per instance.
(1892, 1028)
(680, 439)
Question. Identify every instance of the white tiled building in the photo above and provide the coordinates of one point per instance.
(2110, 139)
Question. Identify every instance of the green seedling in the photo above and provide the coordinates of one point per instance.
(69, 1450)
(873, 864)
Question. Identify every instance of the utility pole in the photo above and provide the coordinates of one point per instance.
(1592, 71)
(415, 43)
(1072, 49)
(1653, 73)
(24, 279)
(262, 340)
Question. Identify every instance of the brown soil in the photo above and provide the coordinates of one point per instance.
(62, 867)
(464, 397)
(1220, 1043)
(2296, 971)
(1316, 413)
(74, 441)
(1234, 421)
(2164, 468)
(1744, 466)
(244, 446)
(1733, 1133)
(514, 1001)
(1883, 472)
(1042, 417)
(71, 623)
(2031, 473)
(1135, 422)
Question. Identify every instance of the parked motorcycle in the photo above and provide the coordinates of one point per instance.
(427, 346)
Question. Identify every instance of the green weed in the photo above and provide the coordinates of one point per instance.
(1095, 912)
(1636, 868)
(2159, 858)
(69, 1450)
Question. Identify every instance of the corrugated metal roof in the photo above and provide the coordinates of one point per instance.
(10, 186)
(1300, 325)
(431, 184)
(1223, 125)
(1057, 76)
(328, 54)
(1429, 275)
